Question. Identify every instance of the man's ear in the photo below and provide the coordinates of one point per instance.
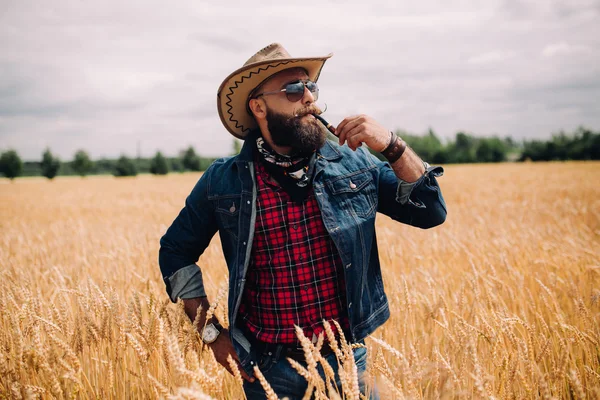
(258, 108)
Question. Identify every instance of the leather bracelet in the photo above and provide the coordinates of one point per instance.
(395, 149)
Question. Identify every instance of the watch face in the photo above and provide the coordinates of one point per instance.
(210, 333)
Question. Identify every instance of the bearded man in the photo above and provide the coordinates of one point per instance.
(296, 217)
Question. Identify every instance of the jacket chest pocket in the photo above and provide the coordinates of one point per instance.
(228, 213)
(355, 192)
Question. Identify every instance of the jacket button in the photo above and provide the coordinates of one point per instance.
(248, 201)
(348, 266)
(352, 185)
(350, 305)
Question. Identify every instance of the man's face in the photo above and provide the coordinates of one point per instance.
(291, 124)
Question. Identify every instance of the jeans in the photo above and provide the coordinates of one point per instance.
(286, 382)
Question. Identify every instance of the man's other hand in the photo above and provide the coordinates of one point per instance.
(359, 129)
(223, 347)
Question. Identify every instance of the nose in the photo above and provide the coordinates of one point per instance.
(307, 97)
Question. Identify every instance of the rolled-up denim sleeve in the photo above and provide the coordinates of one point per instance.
(185, 241)
(418, 203)
(405, 189)
(186, 283)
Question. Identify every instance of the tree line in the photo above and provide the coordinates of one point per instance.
(582, 144)
(464, 148)
(50, 166)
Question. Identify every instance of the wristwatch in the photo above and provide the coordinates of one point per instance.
(211, 332)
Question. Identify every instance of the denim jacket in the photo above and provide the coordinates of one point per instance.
(350, 187)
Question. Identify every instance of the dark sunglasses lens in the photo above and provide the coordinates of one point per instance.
(294, 91)
(312, 87)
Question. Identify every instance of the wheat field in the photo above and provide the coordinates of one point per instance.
(502, 301)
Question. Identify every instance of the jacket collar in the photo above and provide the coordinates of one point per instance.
(328, 151)
(247, 153)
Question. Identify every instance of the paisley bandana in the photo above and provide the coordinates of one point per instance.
(293, 173)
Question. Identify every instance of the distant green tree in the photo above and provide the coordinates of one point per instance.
(509, 142)
(533, 150)
(125, 167)
(82, 164)
(463, 150)
(49, 165)
(205, 163)
(177, 165)
(159, 165)
(583, 144)
(441, 156)
(190, 159)
(594, 147)
(11, 165)
(490, 150)
(590, 144)
(580, 148)
(426, 146)
(558, 147)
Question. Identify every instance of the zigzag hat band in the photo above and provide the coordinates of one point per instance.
(233, 94)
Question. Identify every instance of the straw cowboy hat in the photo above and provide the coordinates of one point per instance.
(234, 92)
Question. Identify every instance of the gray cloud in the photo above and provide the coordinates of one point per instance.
(107, 76)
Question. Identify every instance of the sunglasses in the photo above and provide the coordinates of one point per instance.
(294, 91)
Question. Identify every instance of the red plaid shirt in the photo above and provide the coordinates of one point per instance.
(296, 275)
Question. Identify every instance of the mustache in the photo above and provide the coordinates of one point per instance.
(312, 109)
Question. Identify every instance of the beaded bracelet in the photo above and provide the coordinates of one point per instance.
(395, 149)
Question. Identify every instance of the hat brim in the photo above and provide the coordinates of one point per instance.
(235, 89)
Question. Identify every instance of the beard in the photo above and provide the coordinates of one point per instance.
(304, 137)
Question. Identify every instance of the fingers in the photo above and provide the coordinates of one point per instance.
(245, 375)
(346, 125)
(235, 363)
(361, 129)
(242, 370)
(345, 121)
(355, 141)
(356, 136)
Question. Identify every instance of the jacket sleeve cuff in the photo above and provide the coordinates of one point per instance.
(405, 189)
(186, 283)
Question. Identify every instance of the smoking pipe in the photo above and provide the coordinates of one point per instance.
(329, 127)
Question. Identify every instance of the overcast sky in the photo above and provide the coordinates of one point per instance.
(105, 75)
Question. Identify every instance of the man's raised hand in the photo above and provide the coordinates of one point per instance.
(359, 129)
